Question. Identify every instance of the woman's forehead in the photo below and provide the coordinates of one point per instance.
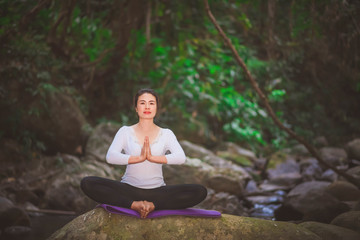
(147, 97)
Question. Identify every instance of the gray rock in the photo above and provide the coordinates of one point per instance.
(196, 171)
(310, 169)
(10, 215)
(196, 151)
(270, 187)
(314, 204)
(61, 125)
(329, 175)
(353, 149)
(344, 191)
(98, 224)
(99, 141)
(289, 166)
(236, 154)
(62, 190)
(286, 174)
(226, 183)
(193, 171)
(334, 156)
(321, 142)
(355, 171)
(356, 207)
(330, 232)
(251, 187)
(349, 220)
(223, 202)
(236, 149)
(299, 149)
(286, 180)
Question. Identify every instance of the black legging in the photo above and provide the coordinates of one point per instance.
(120, 194)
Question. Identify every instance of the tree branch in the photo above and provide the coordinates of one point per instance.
(148, 23)
(28, 17)
(265, 101)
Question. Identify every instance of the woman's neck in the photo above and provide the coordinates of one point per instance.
(146, 125)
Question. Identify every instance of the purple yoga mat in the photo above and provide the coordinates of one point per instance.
(192, 212)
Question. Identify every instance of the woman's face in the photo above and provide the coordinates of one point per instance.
(146, 106)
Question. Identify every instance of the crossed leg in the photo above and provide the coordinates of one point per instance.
(144, 201)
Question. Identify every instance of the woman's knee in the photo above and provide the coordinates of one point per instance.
(87, 182)
(199, 191)
(202, 192)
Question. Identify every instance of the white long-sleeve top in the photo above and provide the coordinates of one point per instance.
(145, 174)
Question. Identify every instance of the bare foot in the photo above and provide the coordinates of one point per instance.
(149, 207)
(139, 206)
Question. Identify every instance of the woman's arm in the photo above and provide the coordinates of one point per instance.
(177, 155)
(115, 155)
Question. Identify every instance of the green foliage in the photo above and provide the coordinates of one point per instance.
(95, 38)
(203, 89)
(200, 80)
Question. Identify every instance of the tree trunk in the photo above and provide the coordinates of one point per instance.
(269, 109)
(270, 28)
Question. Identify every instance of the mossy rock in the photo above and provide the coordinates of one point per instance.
(99, 224)
(237, 159)
(277, 158)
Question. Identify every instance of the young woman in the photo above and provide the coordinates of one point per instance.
(143, 147)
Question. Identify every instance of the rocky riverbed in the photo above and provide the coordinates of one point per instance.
(290, 185)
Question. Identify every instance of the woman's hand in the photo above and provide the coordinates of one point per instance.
(147, 149)
(139, 159)
(150, 157)
(143, 156)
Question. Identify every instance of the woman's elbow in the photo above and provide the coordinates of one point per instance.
(182, 159)
(109, 158)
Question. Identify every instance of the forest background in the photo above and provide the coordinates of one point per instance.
(304, 55)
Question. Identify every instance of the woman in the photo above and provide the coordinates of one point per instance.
(142, 187)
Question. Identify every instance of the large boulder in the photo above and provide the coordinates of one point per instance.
(310, 169)
(98, 224)
(277, 158)
(60, 123)
(196, 171)
(350, 220)
(353, 149)
(331, 232)
(192, 171)
(10, 215)
(63, 188)
(99, 141)
(196, 151)
(223, 197)
(344, 191)
(309, 201)
(334, 156)
(236, 154)
(285, 174)
(223, 202)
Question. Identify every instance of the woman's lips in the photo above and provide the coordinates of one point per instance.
(147, 112)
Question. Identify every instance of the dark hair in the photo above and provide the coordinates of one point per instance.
(146, 90)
